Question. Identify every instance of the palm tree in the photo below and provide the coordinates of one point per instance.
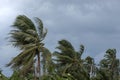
(90, 66)
(69, 61)
(46, 60)
(28, 37)
(110, 64)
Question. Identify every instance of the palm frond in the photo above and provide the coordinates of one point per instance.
(63, 56)
(41, 31)
(23, 23)
(81, 49)
(66, 44)
(17, 61)
(28, 64)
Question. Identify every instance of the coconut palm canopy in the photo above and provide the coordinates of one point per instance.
(69, 60)
(28, 37)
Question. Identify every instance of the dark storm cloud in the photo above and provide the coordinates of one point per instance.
(92, 22)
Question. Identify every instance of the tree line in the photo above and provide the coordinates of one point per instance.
(36, 62)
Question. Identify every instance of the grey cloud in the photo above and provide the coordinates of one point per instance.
(91, 21)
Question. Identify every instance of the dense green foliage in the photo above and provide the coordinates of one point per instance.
(35, 62)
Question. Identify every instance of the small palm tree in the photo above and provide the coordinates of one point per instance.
(28, 37)
(90, 66)
(110, 65)
(69, 61)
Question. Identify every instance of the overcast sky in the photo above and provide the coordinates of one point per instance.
(93, 23)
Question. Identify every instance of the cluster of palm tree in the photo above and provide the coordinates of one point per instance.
(36, 62)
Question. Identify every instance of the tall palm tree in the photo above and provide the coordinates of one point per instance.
(28, 37)
(69, 61)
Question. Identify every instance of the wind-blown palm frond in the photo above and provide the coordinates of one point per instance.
(23, 23)
(41, 31)
(81, 50)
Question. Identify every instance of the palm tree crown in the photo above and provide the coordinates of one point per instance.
(28, 37)
(69, 61)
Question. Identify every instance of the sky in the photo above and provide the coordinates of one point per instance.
(93, 23)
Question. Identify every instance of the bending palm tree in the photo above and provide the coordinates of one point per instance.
(28, 38)
(69, 61)
(110, 64)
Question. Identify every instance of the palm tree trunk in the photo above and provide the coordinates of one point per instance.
(35, 74)
(39, 69)
(44, 66)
